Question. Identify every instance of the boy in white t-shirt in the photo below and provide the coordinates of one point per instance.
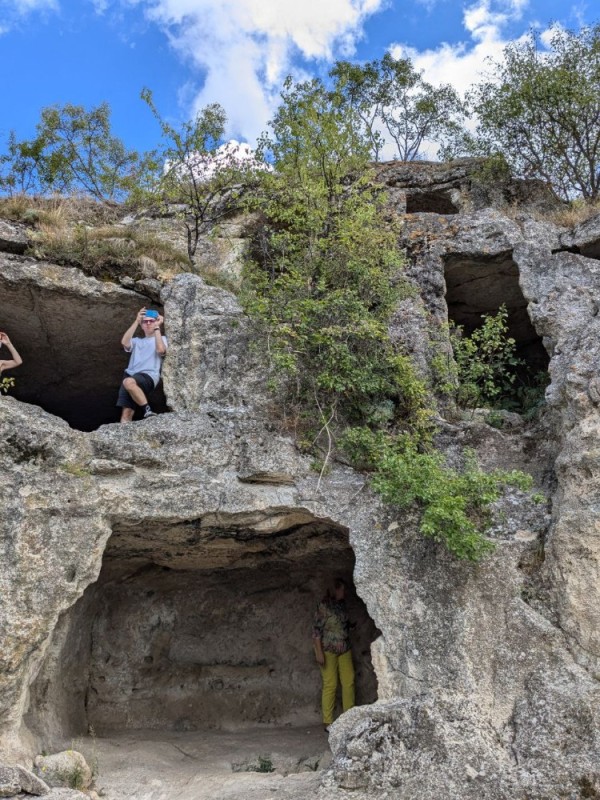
(143, 371)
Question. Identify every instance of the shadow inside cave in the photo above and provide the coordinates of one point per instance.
(199, 626)
(73, 362)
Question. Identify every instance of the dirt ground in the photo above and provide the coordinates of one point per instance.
(252, 764)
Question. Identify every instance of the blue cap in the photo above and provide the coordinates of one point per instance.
(151, 314)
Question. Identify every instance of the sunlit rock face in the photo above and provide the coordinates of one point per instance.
(163, 574)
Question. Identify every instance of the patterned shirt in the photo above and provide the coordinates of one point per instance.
(332, 627)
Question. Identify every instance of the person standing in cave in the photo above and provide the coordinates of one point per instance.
(16, 359)
(143, 371)
(331, 642)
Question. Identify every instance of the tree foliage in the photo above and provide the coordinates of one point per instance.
(486, 361)
(541, 109)
(190, 169)
(74, 150)
(391, 97)
(326, 273)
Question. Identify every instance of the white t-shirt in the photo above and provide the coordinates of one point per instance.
(144, 357)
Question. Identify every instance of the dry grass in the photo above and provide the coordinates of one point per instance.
(107, 252)
(574, 213)
(15, 208)
(33, 210)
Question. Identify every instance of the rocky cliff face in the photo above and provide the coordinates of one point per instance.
(162, 575)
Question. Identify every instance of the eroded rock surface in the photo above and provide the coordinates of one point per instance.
(132, 555)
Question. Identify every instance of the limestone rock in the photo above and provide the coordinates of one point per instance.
(211, 361)
(13, 237)
(10, 783)
(458, 186)
(402, 747)
(31, 783)
(584, 238)
(67, 769)
(14, 780)
(162, 575)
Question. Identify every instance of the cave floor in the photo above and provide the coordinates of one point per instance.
(160, 765)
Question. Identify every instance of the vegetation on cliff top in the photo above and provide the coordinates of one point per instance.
(323, 279)
(538, 109)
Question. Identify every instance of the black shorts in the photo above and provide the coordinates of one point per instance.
(143, 380)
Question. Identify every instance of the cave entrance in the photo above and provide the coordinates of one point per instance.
(69, 338)
(476, 286)
(430, 201)
(196, 626)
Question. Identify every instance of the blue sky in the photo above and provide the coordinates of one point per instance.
(236, 52)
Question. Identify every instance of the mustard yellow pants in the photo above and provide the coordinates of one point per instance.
(337, 665)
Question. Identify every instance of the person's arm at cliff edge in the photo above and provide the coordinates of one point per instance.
(16, 360)
(128, 335)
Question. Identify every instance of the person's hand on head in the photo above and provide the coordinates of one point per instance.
(159, 323)
(4, 338)
(140, 315)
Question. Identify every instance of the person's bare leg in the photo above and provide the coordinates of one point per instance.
(134, 391)
(127, 414)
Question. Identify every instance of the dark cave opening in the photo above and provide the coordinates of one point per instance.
(191, 627)
(477, 286)
(433, 202)
(73, 361)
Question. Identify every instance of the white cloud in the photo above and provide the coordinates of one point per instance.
(462, 64)
(100, 6)
(12, 12)
(247, 47)
(23, 7)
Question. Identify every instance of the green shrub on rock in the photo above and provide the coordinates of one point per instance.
(323, 277)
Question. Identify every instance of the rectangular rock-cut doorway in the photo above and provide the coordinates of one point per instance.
(193, 627)
(481, 285)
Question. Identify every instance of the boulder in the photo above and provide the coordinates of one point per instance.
(13, 237)
(67, 769)
(14, 780)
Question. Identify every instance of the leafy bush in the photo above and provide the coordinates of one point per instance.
(486, 361)
(6, 384)
(454, 504)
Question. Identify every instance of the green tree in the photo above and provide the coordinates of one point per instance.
(390, 94)
(191, 168)
(323, 278)
(541, 109)
(317, 141)
(73, 150)
(20, 166)
(359, 86)
(486, 362)
(325, 272)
